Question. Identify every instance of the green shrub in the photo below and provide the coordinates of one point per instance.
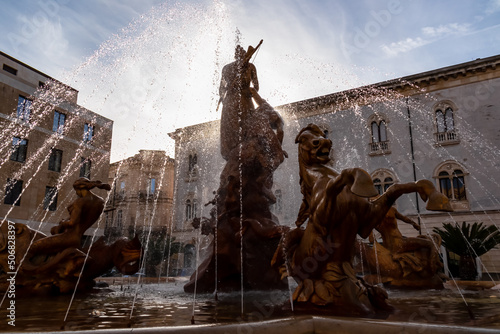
(469, 240)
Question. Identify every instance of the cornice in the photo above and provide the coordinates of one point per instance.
(447, 77)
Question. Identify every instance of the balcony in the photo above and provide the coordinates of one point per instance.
(446, 138)
(192, 175)
(379, 148)
(120, 196)
(148, 196)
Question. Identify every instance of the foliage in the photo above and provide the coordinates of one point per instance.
(469, 240)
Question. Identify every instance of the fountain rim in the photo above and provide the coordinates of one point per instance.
(302, 325)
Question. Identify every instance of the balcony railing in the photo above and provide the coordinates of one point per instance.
(148, 196)
(379, 148)
(120, 196)
(192, 175)
(447, 138)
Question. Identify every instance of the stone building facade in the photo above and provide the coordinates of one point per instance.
(442, 125)
(142, 193)
(198, 164)
(48, 141)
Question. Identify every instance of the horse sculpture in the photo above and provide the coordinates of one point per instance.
(337, 208)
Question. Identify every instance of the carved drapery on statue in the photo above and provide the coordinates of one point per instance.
(251, 141)
(337, 208)
(54, 263)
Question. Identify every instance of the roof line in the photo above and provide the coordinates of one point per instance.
(33, 69)
(406, 80)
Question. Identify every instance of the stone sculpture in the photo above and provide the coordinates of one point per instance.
(247, 233)
(55, 262)
(401, 261)
(337, 208)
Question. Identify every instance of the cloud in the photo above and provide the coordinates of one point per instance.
(429, 35)
(51, 41)
(158, 74)
(159, 61)
(406, 45)
(445, 30)
(493, 7)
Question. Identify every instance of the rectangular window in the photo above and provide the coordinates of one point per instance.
(13, 192)
(23, 109)
(119, 220)
(9, 69)
(50, 200)
(55, 160)
(107, 220)
(59, 120)
(85, 168)
(19, 149)
(151, 186)
(88, 132)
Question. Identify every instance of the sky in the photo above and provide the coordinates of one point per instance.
(153, 66)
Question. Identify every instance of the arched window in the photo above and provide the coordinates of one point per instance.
(194, 209)
(453, 184)
(441, 127)
(382, 186)
(193, 160)
(445, 184)
(375, 134)
(379, 132)
(191, 206)
(382, 180)
(450, 177)
(445, 123)
(379, 142)
(382, 131)
(448, 119)
(444, 120)
(378, 185)
(388, 181)
(119, 220)
(189, 210)
(459, 185)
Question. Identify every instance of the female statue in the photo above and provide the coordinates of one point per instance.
(83, 213)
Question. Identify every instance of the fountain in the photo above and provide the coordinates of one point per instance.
(252, 255)
(58, 263)
(335, 205)
(247, 232)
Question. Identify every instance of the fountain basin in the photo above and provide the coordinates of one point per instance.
(165, 308)
(306, 325)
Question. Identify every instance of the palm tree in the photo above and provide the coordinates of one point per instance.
(468, 241)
